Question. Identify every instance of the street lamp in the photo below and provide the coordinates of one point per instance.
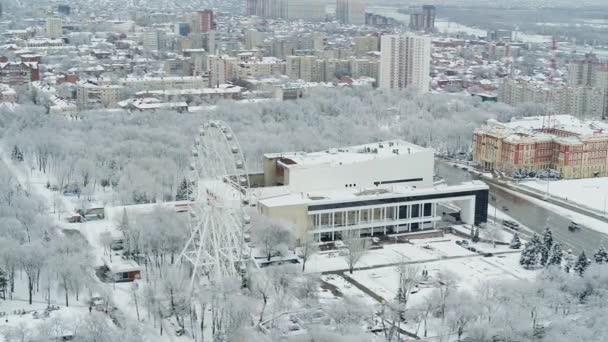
(493, 198)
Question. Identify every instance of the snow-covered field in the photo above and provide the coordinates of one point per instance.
(418, 250)
(470, 272)
(590, 192)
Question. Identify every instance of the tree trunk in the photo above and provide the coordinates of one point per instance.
(203, 323)
(30, 287)
(67, 304)
(263, 309)
(136, 304)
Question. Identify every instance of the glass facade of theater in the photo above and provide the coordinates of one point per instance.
(388, 215)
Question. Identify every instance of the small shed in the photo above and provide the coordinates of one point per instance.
(121, 269)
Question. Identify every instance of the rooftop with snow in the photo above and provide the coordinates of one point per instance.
(348, 155)
(565, 128)
(341, 195)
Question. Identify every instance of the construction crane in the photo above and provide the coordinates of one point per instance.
(553, 50)
(549, 118)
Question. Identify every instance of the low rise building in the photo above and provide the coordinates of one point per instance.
(573, 148)
(90, 94)
(265, 66)
(224, 91)
(171, 82)
(18, 73)
(374, 189)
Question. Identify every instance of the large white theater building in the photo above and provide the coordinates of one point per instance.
(376, 189)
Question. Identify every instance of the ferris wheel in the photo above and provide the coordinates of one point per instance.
(221, 194)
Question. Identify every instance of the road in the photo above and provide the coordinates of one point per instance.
(530, 214)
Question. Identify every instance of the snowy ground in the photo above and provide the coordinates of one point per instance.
(470, 272)
(62, 207)
(418, 250)
(346, 289)
(590, 192)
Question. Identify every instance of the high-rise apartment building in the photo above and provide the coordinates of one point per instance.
(203, 40)
(423, 21)
(153, 39)
(588, 72)
(54, 27)
(428, 12)
(579, 101)
(205, 21)
(182, 29)
(405, 62)
(350, 12)
(303, 67)
(201, 21)
(315, 69)
(311, 10)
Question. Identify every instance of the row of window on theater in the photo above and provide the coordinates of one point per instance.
(350, 185)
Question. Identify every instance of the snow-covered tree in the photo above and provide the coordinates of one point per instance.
(185, 190)
(494, 234)
(409, 276)
(16, 154)
(356, 248)
(555, 255)
(581, 264)
(348, 313)
(515, 242)
(547, 243)
(569, 261)
(31, 260)
(460, 313)
(106, 240)
(308, 247)
(529, 255)
(271, 236)
(3, 283)
(601, 256)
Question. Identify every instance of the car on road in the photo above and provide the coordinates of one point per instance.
(573, 226)
(510, 224)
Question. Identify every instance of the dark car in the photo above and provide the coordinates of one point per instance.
(573, 226)
(510, 224)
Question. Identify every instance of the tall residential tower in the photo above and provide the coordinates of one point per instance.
(405, 62)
